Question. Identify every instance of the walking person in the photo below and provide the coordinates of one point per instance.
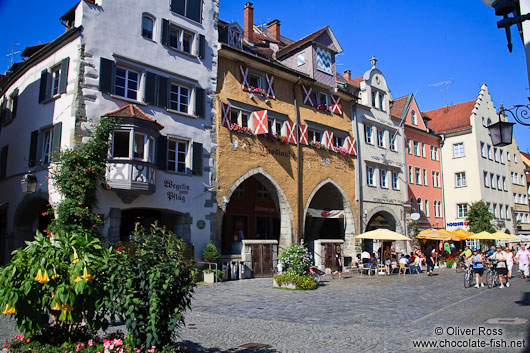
(478, 267)
(523, 259)
(502, 271)
(429, 258)
(509, 261)
(338, 262)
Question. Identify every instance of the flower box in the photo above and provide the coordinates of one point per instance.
(241, 130)
(284, 285)
(209, 277)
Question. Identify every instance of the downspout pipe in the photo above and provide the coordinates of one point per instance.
(359, 169)
(299, 200)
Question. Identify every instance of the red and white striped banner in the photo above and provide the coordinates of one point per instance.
(270, 85)
(261, 125)
(328, 139)
(303, 134)
(308, 100)
(351, 145)
(225, 115)
(335, 105)
(291, 131)
(244, 77)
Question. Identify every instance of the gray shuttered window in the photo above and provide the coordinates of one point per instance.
(197, 159)
(200, 99)
(32, 159)
(56, 143)
(14, 96)
(178, 6)
(64, 75)
(106, 76)
(161, 156)
(188, 8)
(150, 88)
(43, 85)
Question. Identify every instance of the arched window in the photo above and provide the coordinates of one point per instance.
(412, 206)
(420, 205)
(413, 117)
(148, 24)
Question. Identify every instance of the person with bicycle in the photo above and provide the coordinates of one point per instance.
(500, 257)
(478, 267)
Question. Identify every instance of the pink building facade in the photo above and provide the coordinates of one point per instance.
(424, 166)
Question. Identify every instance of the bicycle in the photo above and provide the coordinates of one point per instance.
(492, 278)
(460, 265)
(469, 277)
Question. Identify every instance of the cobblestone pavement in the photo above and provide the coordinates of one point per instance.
(357, 314)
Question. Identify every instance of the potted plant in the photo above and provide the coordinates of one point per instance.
(210, 254)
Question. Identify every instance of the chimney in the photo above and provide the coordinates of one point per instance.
(249, 22)
(347, 75)
(273, 28)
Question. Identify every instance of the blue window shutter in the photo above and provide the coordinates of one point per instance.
(163, 88)
(43, 85)
(32, 160)
(150, 88)
(200, 100)
(165, 32)
(64, 75)
(161, 156)
(197, 159)
(202, 46)
(106, 76)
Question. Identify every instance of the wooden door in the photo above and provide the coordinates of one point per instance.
(329, 256)
(261, 260)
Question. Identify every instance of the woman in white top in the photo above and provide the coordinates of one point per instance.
(509, 260)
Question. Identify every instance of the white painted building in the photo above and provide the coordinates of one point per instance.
(381, 175)
(157, 61)
(473, 170)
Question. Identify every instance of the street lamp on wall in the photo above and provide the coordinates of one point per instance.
(28, 183)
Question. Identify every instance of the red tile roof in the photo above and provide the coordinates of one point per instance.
(449, 119)
(132, 111)
(356, 81)
(396, 109)
(527, 155)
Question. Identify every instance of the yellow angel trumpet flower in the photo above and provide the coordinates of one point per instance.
(44, 279)
(78, 279)
(87, 276)
(76, 259)
(57, 306)
(9, 310)
(38, 278)
(68, 307)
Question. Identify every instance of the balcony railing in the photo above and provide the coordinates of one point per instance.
(131, 175)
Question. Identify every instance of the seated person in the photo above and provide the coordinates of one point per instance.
(357, 261)
(403, 260)
(415, 264)
(365, 257)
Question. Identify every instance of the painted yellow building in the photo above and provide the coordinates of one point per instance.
(289, 184)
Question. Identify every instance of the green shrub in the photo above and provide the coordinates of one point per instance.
(210, 253)
(301, 281)
(57, 280)
(295, 259)
(151, 286)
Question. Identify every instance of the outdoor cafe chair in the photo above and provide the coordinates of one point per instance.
(403, 269)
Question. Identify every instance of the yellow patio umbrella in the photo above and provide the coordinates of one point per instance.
(438, 236)
(463, 234)
(503, 236)
(483, 235)
(426, 231)
(383, 235)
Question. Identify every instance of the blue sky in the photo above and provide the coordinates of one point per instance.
(417, 42)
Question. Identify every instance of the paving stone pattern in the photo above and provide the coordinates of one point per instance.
(357, 314)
